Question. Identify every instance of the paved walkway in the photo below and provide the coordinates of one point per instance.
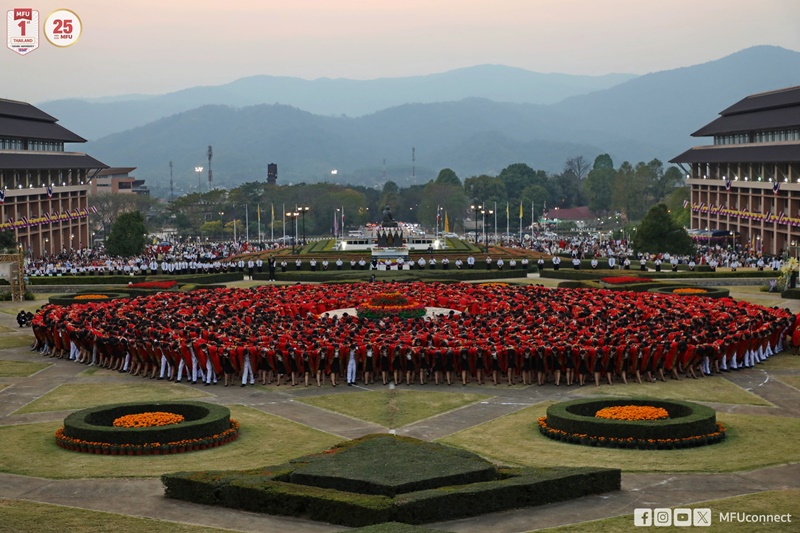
(144, 497)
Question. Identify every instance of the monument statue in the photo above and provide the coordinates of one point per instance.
(389, 235)
(388, 220)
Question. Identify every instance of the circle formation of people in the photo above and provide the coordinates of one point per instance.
(495, 333)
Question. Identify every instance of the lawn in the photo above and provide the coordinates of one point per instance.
(785, 361)
(515, 440)
(709, 389)
(264, 440)
(393, 408)
(769, 502)
(30, 517)
(15, 341)
(20, 369)
(80, 396)
(792, 381)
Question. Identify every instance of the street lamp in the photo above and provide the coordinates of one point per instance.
(476, 206)
(292, 215)
(303, 211)
(484, 212)
(199, 171)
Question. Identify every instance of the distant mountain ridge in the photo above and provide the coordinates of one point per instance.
(647, 117)
(96, 118)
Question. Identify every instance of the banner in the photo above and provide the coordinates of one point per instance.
(768, 217)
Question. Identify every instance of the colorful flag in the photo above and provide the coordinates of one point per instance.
(49, 191)
(259, 216)
(2, 196)
(776, 187)
(520, 210)
(446, 223)
(93, 209)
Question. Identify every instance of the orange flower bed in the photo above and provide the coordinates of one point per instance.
(146, 420)
(687, 290)
(91, 297)
(632, 412)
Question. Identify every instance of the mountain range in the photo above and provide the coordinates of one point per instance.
(480, 124)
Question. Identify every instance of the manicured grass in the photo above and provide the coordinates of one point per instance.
(73, 396)
(30, 517)
(708, 389)
(395, 527)
(15, 341)
(515, 440)
(6, 329)
(395, 408)
(783, 361)
(792, 381)
(769, 502)
(263, 440)
(20, 369)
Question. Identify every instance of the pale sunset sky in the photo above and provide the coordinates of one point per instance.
(152, 47)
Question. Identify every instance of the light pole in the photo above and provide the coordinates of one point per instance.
(484, 212)
(303, 210)
(199, 171)
(292, 215)
(476, 206)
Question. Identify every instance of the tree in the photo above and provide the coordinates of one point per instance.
(448, 177)
(577, 166)
(681, 216)
(450, 198)
(518, 176)
(127, 237)
(8, 240)
(599, 184)
(485, 188)
(628, 192)
(658, 233)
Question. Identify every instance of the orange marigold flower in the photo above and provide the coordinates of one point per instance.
(146, 420)
(632, 412)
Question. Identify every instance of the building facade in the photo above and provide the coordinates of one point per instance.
(748, 180)
(43, 188)
(116, 181)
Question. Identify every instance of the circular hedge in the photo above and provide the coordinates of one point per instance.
(92, 430)
(689, 424)
(709, 292)
(201, 420)
(69, 299)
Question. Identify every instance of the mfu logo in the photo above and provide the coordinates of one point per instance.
(663, 517)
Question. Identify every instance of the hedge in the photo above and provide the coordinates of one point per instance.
(686, 419)
(95, 424)
(69, 299)
(216, 277)
(269, 490)
(710, 292)
(427, 274)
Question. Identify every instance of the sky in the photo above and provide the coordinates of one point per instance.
(155, 47)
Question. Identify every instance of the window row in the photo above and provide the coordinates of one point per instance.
(759, 137)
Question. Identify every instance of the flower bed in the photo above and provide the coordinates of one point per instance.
(146, 420)
(689, 291)
(86, 298)
(93, 430)
(703, 292)
(624, 280)
(632, 412)
(687, 425)
(166, 284)
(390, 304)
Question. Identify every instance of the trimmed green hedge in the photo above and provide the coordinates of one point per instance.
(392, 466)
(69, 299)
(399, 275)
(791, 294)
(269, 490)
(221, 277)
(394, 527)
(711, 292)
(686, 419)
(201, 420)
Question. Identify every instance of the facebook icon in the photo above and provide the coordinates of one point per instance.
(642, 517)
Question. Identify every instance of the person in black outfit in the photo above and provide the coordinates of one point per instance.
(271, 265)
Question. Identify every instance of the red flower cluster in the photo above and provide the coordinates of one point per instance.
(154, 284)
(624, 280)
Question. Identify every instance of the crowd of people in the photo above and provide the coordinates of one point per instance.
(490, 333)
